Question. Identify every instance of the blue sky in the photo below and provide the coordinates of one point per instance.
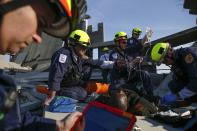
(163, 16)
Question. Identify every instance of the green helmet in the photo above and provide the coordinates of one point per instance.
(105, 49)
(137, 31)
(79, 37)
(159, 51)
(119, 35)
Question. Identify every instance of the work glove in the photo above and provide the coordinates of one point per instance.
(168, 99)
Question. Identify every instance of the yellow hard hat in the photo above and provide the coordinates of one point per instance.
(79, 37)
(159, 51)
(136, 31)
(119, 35)
(105, 49)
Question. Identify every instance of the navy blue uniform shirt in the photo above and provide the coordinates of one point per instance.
(116, 74)
(116, 54)
(60, 67)
(29, 122)
(67, 69)
(134, 47)
(184, 70)
(120, 76)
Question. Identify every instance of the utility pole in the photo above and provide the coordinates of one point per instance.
(84, 22)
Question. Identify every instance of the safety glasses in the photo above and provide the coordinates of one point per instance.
(83, 46)
(121, 41)
(137, 34)
(75, 42)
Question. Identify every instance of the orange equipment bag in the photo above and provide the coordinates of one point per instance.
(42, 89)
(99, 88)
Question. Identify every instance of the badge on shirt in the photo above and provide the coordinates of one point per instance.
(62, 58)
(189, 58)
(131, 42)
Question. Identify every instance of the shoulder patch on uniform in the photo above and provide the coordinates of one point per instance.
(189, 58)
(62, 58)
(115, 56)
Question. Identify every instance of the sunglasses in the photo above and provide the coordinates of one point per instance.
(136, 33)
(75, 42)
(83, 47)
(122, 41)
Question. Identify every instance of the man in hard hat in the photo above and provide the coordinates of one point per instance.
(184, 67)
(133, 76)
(22, 22)
(120, 40)
(66, 74)
(124, 93)
(105, 57)
(135, 45)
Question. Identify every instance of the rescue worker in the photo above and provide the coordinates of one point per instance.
(124, 93)
(120, 40)
(184, 67)
(22, 22)
(105, 57)
(66, 74)
(135, 45)
(134, 77)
